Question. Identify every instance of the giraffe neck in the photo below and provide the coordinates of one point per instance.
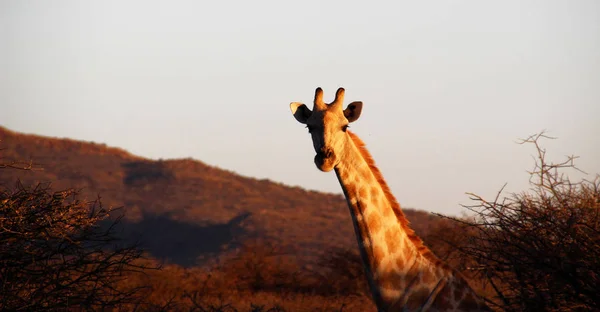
(398, 266)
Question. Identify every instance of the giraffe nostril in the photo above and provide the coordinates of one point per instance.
(325, 153)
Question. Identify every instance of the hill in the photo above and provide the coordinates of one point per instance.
(185, 211)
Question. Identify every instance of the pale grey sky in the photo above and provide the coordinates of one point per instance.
(448, 86)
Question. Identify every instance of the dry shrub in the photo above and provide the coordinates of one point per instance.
(261, 266)
(55, 255)
(343, 274)
(538, 250)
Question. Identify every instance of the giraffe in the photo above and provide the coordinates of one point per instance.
(403, 274)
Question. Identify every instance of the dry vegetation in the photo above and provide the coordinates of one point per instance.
(537, 250)
(532, 251)
(54, 253)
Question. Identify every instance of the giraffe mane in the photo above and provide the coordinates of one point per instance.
(426, 252)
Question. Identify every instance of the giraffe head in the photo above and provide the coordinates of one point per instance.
(327, 124)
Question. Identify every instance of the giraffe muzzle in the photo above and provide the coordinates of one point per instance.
(325, 159)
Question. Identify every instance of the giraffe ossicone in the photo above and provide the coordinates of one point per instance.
(403, 274)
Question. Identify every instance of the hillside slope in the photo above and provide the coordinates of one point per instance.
(184, 210)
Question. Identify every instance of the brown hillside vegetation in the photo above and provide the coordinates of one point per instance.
(55, 257)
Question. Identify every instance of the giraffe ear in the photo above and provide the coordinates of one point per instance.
(352, 112)
(300, 111)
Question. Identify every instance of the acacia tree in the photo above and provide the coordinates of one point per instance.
(538, 250)
(59, 252)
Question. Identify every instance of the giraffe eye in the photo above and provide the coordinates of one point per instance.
(344, 128)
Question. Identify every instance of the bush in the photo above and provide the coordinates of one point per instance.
(54, 254)
(261, 266)
(344, 274)
(537, 250)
